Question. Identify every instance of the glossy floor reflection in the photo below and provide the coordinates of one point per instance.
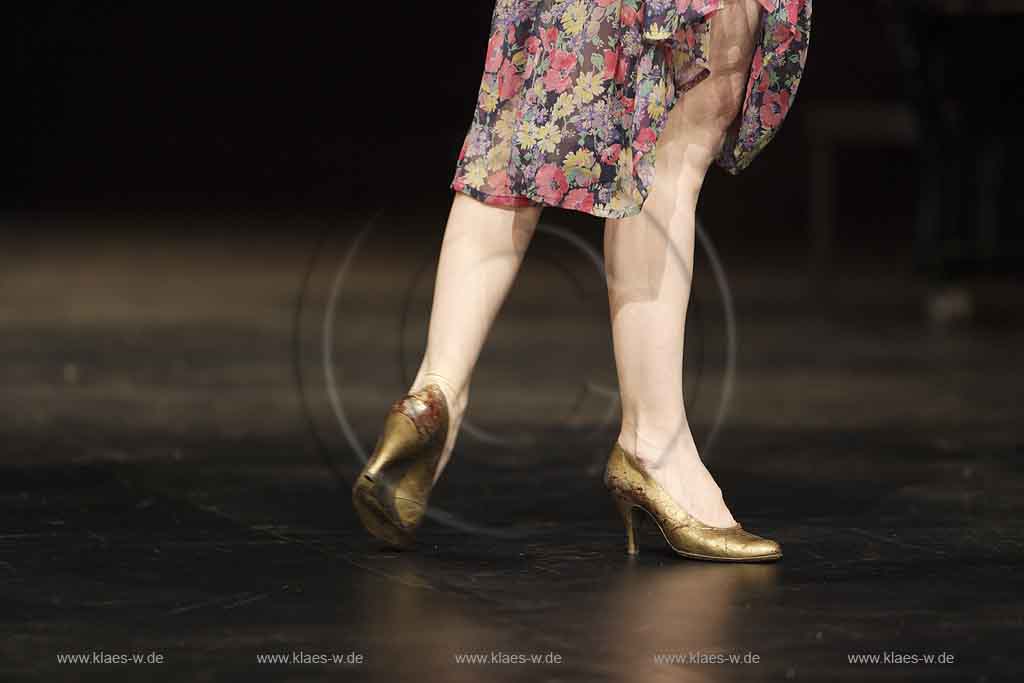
(167, 487)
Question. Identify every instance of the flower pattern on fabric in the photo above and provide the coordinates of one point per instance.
(575, 94)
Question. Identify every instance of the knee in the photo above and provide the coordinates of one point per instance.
(723, 103)
(524, 225)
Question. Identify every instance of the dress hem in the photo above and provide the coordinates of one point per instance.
(521, 200)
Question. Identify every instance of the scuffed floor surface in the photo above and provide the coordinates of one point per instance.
(174, 467)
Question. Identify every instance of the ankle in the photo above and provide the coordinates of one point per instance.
(456, 396)
(657, 447)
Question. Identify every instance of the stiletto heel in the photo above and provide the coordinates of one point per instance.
(390, 495)
(632, 517)
(636, 493)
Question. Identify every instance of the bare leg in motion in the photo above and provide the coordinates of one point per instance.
(649, 259)
(482, 250)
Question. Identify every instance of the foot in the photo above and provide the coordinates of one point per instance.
(673, 462)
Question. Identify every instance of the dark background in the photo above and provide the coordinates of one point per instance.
(332, 107)
(336, 105)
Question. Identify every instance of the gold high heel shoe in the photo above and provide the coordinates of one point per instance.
(635, 493)
(390, 495)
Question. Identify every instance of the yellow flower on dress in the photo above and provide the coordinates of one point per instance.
(624, 169)
(618, 205)
(575, 17)
(581, 158)
(564, 106)
(657, 32)
(583, 163)
(588, 86)
(488, 96)
(548, 137)
(506, 123)
(476, 173)
(498, 157)
(528, 135)
(656, 105)
(627, 196)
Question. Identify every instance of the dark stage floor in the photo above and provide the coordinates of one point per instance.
(176, 442)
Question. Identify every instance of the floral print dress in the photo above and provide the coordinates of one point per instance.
(576, 92)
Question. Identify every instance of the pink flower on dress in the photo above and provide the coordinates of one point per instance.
(551, 183)
(783, 36)
(498, 182)
(494, 53)
(774, 108)
(690, 36)
(702, 6)
(508, 80)
(611, 154)
(611, 63)
(644, 139)
(756, 67)
(629, 16)
(532, 46)
(558, 78)
(550, 37)
(620, 71)
(793, 10)
(580, 200)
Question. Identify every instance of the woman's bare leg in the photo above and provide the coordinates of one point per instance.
(481, 252)
(649, 259)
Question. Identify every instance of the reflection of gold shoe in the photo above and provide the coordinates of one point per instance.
(636, 492)
(390, 495)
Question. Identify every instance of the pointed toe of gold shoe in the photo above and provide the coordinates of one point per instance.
(390, 495)
(755, 548)
(736, 544)
(638, 496)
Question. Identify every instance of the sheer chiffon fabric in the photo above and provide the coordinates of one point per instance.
(575, 94)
